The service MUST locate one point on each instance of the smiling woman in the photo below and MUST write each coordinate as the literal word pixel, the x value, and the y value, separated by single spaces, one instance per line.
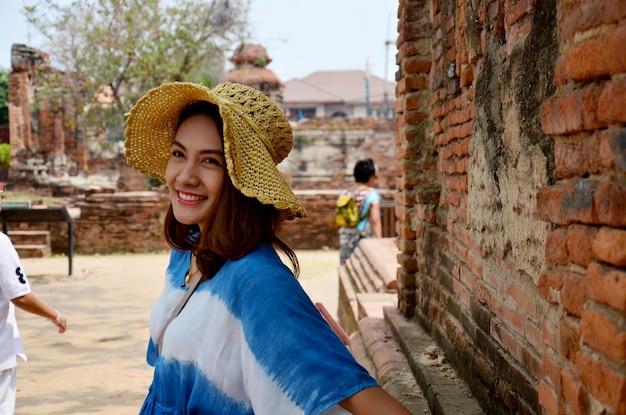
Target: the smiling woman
pixel 233 332
pixel 195 170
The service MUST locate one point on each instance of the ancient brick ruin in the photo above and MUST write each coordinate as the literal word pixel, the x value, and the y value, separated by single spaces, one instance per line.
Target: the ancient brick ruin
pixel 511 197
pixel 509 178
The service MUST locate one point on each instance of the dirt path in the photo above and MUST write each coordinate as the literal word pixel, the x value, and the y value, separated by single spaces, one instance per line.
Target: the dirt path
pixel 98 366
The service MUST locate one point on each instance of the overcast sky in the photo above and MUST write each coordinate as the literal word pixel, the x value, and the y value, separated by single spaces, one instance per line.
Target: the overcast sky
pixel 300 36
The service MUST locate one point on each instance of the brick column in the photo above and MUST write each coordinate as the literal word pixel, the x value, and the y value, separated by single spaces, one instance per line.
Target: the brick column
pixel 417 190
pixel 585 281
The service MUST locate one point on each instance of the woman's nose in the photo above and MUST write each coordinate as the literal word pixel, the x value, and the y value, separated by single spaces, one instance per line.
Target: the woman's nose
pixel 188 175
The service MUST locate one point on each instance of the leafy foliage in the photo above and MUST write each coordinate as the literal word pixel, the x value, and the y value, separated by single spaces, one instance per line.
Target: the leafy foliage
pixel 4 97
pixel 111 52
pixel 5 154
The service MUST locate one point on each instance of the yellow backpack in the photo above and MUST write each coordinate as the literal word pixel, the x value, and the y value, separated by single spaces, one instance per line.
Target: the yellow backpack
pixel 346 211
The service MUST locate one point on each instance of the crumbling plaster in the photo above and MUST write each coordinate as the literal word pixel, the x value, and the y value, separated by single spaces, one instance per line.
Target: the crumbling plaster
pixel 509 154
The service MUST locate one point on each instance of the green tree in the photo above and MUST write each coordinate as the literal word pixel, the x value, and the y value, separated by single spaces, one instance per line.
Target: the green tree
pixel 110 52
pixel 4 96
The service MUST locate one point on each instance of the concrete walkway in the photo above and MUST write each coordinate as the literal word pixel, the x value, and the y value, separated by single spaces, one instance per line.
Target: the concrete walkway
pixel 98 366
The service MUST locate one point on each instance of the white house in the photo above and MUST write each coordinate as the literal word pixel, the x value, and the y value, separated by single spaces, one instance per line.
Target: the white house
pixel 330 94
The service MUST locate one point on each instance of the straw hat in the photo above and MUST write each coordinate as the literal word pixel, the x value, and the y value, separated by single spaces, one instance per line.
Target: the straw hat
pixel 257 136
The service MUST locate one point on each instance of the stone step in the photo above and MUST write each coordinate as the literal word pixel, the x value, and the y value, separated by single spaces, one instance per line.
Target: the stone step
pixel 375 349
pixel 33 251
pixel 398 353
pixel 445 391
pixel 31 244
pixel 409 366
pixel 30 237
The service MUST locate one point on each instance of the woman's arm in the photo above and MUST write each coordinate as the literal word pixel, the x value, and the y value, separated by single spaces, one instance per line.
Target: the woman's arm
pixel 30 303
pixel 373 401
pixel 375 220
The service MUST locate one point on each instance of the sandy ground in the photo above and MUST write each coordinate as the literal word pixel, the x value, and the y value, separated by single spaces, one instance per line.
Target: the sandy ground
pixel 98 366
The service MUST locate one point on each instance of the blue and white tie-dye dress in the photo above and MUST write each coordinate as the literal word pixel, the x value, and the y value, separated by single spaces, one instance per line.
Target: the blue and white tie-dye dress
pixel 249 341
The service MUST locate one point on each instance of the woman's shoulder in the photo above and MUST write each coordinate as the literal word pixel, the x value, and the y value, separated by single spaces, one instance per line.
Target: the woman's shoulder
pixel 260 267
pixel 262 258
pixel 259 275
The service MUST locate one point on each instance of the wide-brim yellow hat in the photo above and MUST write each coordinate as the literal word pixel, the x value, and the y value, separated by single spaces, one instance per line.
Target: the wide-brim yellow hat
pixel 257 136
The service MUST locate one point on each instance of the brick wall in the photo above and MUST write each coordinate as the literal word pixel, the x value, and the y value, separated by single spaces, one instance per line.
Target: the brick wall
pixel 121 222
pixel 584 283
pixel 511 196
pixel 133 222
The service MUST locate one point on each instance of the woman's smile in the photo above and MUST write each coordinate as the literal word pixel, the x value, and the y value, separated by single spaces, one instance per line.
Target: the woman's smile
pixel 190 198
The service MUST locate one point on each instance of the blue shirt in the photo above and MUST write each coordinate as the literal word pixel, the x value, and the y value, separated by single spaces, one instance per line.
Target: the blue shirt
pixel 372 197
pixel 249 341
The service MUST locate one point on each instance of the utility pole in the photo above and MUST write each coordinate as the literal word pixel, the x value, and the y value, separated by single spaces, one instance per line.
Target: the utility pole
pixel 385 94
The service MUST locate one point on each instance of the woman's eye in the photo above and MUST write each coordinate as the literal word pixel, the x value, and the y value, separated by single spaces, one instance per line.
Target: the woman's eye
pixel 177 153
pixel 212 160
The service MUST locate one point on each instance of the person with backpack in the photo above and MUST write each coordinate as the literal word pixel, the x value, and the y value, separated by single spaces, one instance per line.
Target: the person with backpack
pixel 368 223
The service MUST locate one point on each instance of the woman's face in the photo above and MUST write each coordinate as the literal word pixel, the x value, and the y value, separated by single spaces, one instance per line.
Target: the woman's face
pixel 195 170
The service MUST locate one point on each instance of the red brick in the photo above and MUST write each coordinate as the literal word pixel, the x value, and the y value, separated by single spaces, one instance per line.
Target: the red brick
pixel 601 333
pixel 604 383
pixel 467 75
pixel 589 96
pixel 414 82
pixel 560 74
pixel 412 101
pixel 569 336
pixel 524 297
pixel 578 202
pixel 574 393
pixel 405 232
pixel 574 293
pixel 612 149
pixel 550 285
pixel 416 65
pixel 560 114
pixel 519 10
pixel 548 399
pixel 591 161
pixel 579 241
pixel 568 160
pixel 582 15
pixel 511 317
pixel 612 102
pixel 532 333
pixel 549 200
pixel 556 246
pixel 609 246
pixel 551 373
pixel 597 57
pixel 607 285
pixel 610 204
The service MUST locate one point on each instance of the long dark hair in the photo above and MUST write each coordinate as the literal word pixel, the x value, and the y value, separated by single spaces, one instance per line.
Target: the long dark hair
pixel 236 224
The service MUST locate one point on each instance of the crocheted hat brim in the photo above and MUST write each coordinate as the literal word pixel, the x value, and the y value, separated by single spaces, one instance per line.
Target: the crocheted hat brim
pixel 257 136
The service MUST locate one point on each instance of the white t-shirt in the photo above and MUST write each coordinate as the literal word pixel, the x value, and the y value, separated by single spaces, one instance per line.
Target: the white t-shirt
pixel 13 284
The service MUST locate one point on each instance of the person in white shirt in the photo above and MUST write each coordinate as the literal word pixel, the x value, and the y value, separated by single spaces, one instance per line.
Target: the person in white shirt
pixel 15 291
